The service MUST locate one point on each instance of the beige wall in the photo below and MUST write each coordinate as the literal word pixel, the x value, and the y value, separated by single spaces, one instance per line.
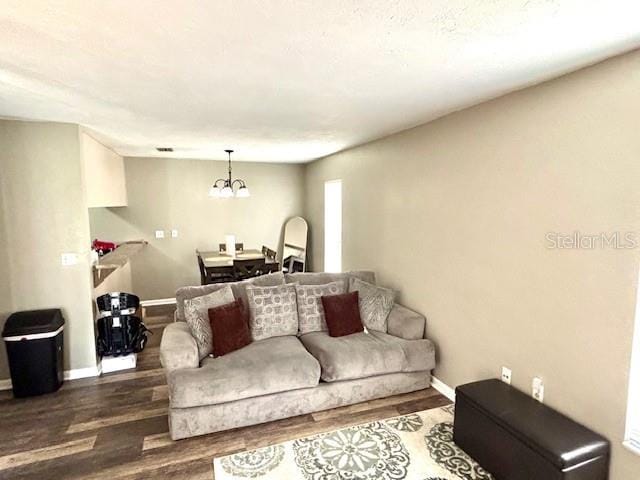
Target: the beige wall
pixel 104 174
pixel 44 214
pixel 6 304
pixel 454 214
pixel 172 193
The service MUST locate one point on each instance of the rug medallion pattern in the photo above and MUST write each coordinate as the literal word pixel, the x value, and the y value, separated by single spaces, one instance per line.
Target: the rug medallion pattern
pixel 417 446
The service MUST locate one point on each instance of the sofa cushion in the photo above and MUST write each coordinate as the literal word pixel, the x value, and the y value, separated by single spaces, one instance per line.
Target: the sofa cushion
pixel 310 309
pixel 273 365
pixel 375 303
pixel 273 311
pixel 321 278
pixel 363 355
pixel 238 289
pixel 196 316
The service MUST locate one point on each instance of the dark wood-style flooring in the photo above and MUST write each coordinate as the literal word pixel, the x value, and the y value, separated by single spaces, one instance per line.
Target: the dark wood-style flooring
pixel 115 426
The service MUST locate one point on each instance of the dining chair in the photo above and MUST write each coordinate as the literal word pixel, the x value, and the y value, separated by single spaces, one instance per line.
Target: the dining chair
pixel 222 247
pixel 293 264
pixel 268 253
pixel 249 268
pixel 203 270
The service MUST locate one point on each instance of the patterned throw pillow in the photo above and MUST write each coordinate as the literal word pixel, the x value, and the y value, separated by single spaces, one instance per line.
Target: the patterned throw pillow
pixel 310 310
pixel 375 304
pixel 196 314
pixel 273 311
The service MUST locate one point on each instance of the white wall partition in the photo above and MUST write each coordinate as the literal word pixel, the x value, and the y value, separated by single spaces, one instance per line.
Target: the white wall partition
pixel 333 226
pixel 632 435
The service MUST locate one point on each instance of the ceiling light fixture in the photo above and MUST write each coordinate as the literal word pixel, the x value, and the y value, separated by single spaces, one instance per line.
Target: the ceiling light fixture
pixel 224 187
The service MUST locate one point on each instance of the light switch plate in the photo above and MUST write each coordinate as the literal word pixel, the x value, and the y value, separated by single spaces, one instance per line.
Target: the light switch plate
pixel 159 233
pixel 174 233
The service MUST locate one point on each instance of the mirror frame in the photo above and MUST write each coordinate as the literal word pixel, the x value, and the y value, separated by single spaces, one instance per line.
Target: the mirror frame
pixel 302 249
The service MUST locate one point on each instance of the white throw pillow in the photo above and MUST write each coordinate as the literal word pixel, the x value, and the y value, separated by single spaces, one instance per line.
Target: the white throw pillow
pixel 310 311
pixel 196 314
pixel 273 311
pixel 375 304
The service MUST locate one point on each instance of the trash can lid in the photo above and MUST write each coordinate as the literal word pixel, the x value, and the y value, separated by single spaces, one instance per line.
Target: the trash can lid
pixel 33 321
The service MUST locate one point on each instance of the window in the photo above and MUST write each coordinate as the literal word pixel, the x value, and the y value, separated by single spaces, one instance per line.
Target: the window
pixel 632 436
pixel 333 226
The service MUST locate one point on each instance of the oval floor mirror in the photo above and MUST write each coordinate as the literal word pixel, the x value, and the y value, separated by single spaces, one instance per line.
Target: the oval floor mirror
pixel 294 248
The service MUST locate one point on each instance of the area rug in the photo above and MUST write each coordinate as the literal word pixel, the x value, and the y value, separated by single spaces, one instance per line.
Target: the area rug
pixel 418 446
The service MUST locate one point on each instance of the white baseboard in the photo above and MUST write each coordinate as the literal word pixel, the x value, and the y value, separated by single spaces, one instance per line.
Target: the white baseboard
pixel 159 301
pixel 443 388
pixel 82 373
pixel 68 375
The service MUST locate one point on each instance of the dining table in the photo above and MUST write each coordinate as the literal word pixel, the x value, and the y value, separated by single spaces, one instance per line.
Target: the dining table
pixel 221 262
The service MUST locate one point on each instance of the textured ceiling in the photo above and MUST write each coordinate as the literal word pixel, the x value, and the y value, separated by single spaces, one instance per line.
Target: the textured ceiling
pixel 285 80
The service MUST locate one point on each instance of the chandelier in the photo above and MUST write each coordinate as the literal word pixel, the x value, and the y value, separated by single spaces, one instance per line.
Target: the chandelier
pixel 226 187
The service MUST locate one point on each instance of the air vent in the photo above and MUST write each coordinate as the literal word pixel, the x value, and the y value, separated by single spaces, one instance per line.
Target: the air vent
pixel 164 149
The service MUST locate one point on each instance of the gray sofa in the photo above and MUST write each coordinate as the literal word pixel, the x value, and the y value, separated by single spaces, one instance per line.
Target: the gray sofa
pixel 282 377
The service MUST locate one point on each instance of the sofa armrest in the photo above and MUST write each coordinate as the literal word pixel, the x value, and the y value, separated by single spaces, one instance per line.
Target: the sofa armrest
pixel 405 323
pixel 178 348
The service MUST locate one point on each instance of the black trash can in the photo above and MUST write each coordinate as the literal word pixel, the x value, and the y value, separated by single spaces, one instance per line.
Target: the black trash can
pixel 34 341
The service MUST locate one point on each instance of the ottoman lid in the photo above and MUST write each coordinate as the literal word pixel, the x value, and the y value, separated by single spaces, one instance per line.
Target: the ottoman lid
pixel 556 437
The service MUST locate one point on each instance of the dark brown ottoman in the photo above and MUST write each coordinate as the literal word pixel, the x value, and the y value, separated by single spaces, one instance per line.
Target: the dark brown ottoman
pixel 515 437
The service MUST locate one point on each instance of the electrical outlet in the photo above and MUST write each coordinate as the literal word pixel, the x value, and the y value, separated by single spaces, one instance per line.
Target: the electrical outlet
pixel 174 233
pixel 537 389
pixel 506 375
pixel 159 233
pixel 69 259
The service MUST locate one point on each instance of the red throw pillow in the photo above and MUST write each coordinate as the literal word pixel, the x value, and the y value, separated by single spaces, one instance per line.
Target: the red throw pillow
pixel 342 314
pixel 230 327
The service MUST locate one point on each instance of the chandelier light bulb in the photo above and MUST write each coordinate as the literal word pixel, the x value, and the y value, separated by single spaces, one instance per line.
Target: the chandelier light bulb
pixel 226 192
pixel 243 192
